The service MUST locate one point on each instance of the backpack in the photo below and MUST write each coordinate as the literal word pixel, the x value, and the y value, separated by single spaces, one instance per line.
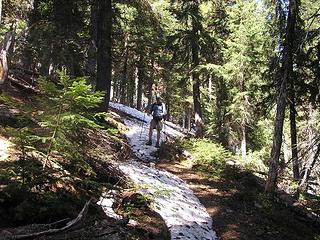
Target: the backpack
pixel 157 111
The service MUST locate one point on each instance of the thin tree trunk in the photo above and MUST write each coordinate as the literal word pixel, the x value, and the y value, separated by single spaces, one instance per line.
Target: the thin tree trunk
pixel 150 83
pixel 0 11
pixel 104 62
pixel 92 49
pixel 293 133
pixel 303 186
pixel 195 75
pixel 141 80
pixel 131 86
pixel 281 101
pixel 124 78
pixel 210 87
pixel 5 50
pixel 136 83
pixel 243 141
pixel 187 117
pixel 221 123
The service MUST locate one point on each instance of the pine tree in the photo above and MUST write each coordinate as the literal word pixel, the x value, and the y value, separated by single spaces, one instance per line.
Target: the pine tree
pixel 246 55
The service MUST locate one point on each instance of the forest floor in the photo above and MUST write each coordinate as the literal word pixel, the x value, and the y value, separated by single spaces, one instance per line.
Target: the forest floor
pixel 239 208
pixel 235 202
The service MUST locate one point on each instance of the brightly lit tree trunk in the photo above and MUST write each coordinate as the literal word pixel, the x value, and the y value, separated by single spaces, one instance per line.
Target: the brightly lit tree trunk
pixel 0 11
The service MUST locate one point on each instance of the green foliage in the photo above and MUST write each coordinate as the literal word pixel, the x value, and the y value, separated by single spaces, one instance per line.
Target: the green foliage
pixel 61 112
pixel 135 202
pixel 52 153
pixel 208 155
pixel 256 160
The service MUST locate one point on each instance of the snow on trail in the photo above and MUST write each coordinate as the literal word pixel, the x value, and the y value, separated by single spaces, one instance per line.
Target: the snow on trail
pixel 182 211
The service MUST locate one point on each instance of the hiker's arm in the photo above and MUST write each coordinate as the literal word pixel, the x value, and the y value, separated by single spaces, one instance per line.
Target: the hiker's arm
pixel 164 111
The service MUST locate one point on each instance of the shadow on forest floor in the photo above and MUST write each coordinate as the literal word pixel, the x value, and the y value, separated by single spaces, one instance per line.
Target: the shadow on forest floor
pixel 240 209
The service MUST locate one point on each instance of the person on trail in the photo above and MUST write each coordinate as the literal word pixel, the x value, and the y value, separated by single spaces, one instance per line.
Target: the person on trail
pixel 158 111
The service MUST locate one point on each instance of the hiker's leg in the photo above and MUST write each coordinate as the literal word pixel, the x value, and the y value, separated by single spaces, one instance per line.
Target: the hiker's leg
pixel 158 136
pixel 159 128
pixel 151 131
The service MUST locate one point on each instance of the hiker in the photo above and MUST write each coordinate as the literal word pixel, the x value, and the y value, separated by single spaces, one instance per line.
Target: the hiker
pixel 158 111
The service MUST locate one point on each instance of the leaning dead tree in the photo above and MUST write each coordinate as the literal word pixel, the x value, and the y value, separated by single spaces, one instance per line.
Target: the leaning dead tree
pixel 309 166
pixel 5 47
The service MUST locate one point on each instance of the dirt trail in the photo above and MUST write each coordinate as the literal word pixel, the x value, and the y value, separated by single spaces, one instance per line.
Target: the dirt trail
pixel 182 211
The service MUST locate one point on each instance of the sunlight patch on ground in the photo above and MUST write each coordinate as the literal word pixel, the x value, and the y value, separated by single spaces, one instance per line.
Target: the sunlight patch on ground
pixel 5 145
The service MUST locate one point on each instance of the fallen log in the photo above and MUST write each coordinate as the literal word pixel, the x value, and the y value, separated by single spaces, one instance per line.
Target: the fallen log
pixel 71 224
pixel 23 85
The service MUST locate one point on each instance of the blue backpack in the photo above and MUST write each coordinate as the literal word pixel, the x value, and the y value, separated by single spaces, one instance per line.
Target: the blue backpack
pixel 157 111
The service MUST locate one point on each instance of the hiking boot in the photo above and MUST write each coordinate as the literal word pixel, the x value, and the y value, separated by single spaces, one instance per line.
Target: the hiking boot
pixel 157 145
pixel 149 143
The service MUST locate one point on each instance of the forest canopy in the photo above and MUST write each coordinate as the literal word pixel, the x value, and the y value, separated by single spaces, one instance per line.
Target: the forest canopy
pixel 242 73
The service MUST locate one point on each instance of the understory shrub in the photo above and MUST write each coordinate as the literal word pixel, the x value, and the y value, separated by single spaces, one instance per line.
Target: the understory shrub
pixel 207 154
pixel 51 165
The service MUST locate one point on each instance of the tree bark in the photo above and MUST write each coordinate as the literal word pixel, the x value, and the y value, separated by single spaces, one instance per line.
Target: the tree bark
pixel 281 101
pixel 0 11
pixel 187 117
pixel 92 49
pixel 150 83
pixel 124 78
pixel 243 141
pixel 141 80
pixel 303 186
pixel 195 75
pixel 293 133
pixel 104 44
pixel 5 49
pixel 221 121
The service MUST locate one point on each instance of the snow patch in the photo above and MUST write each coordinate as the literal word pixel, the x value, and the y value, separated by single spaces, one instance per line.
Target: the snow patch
pixel 4 149
pixel 182 211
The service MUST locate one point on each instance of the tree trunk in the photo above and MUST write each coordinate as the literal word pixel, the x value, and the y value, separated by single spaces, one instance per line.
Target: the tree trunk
pixel 195 75
pixel 0 12
pixel 141 80
pixel 187 117
pixel 150 84
pixel 303 186
pixel 210 87
pixel 221 121
pixel 5 49
pixel 281 101
pixel 243 141
pixel 124 78
pixel 92 48
pixel 104 62
pixel 318 66
pixel 293 133
pixel 131 86
pixel 136 83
